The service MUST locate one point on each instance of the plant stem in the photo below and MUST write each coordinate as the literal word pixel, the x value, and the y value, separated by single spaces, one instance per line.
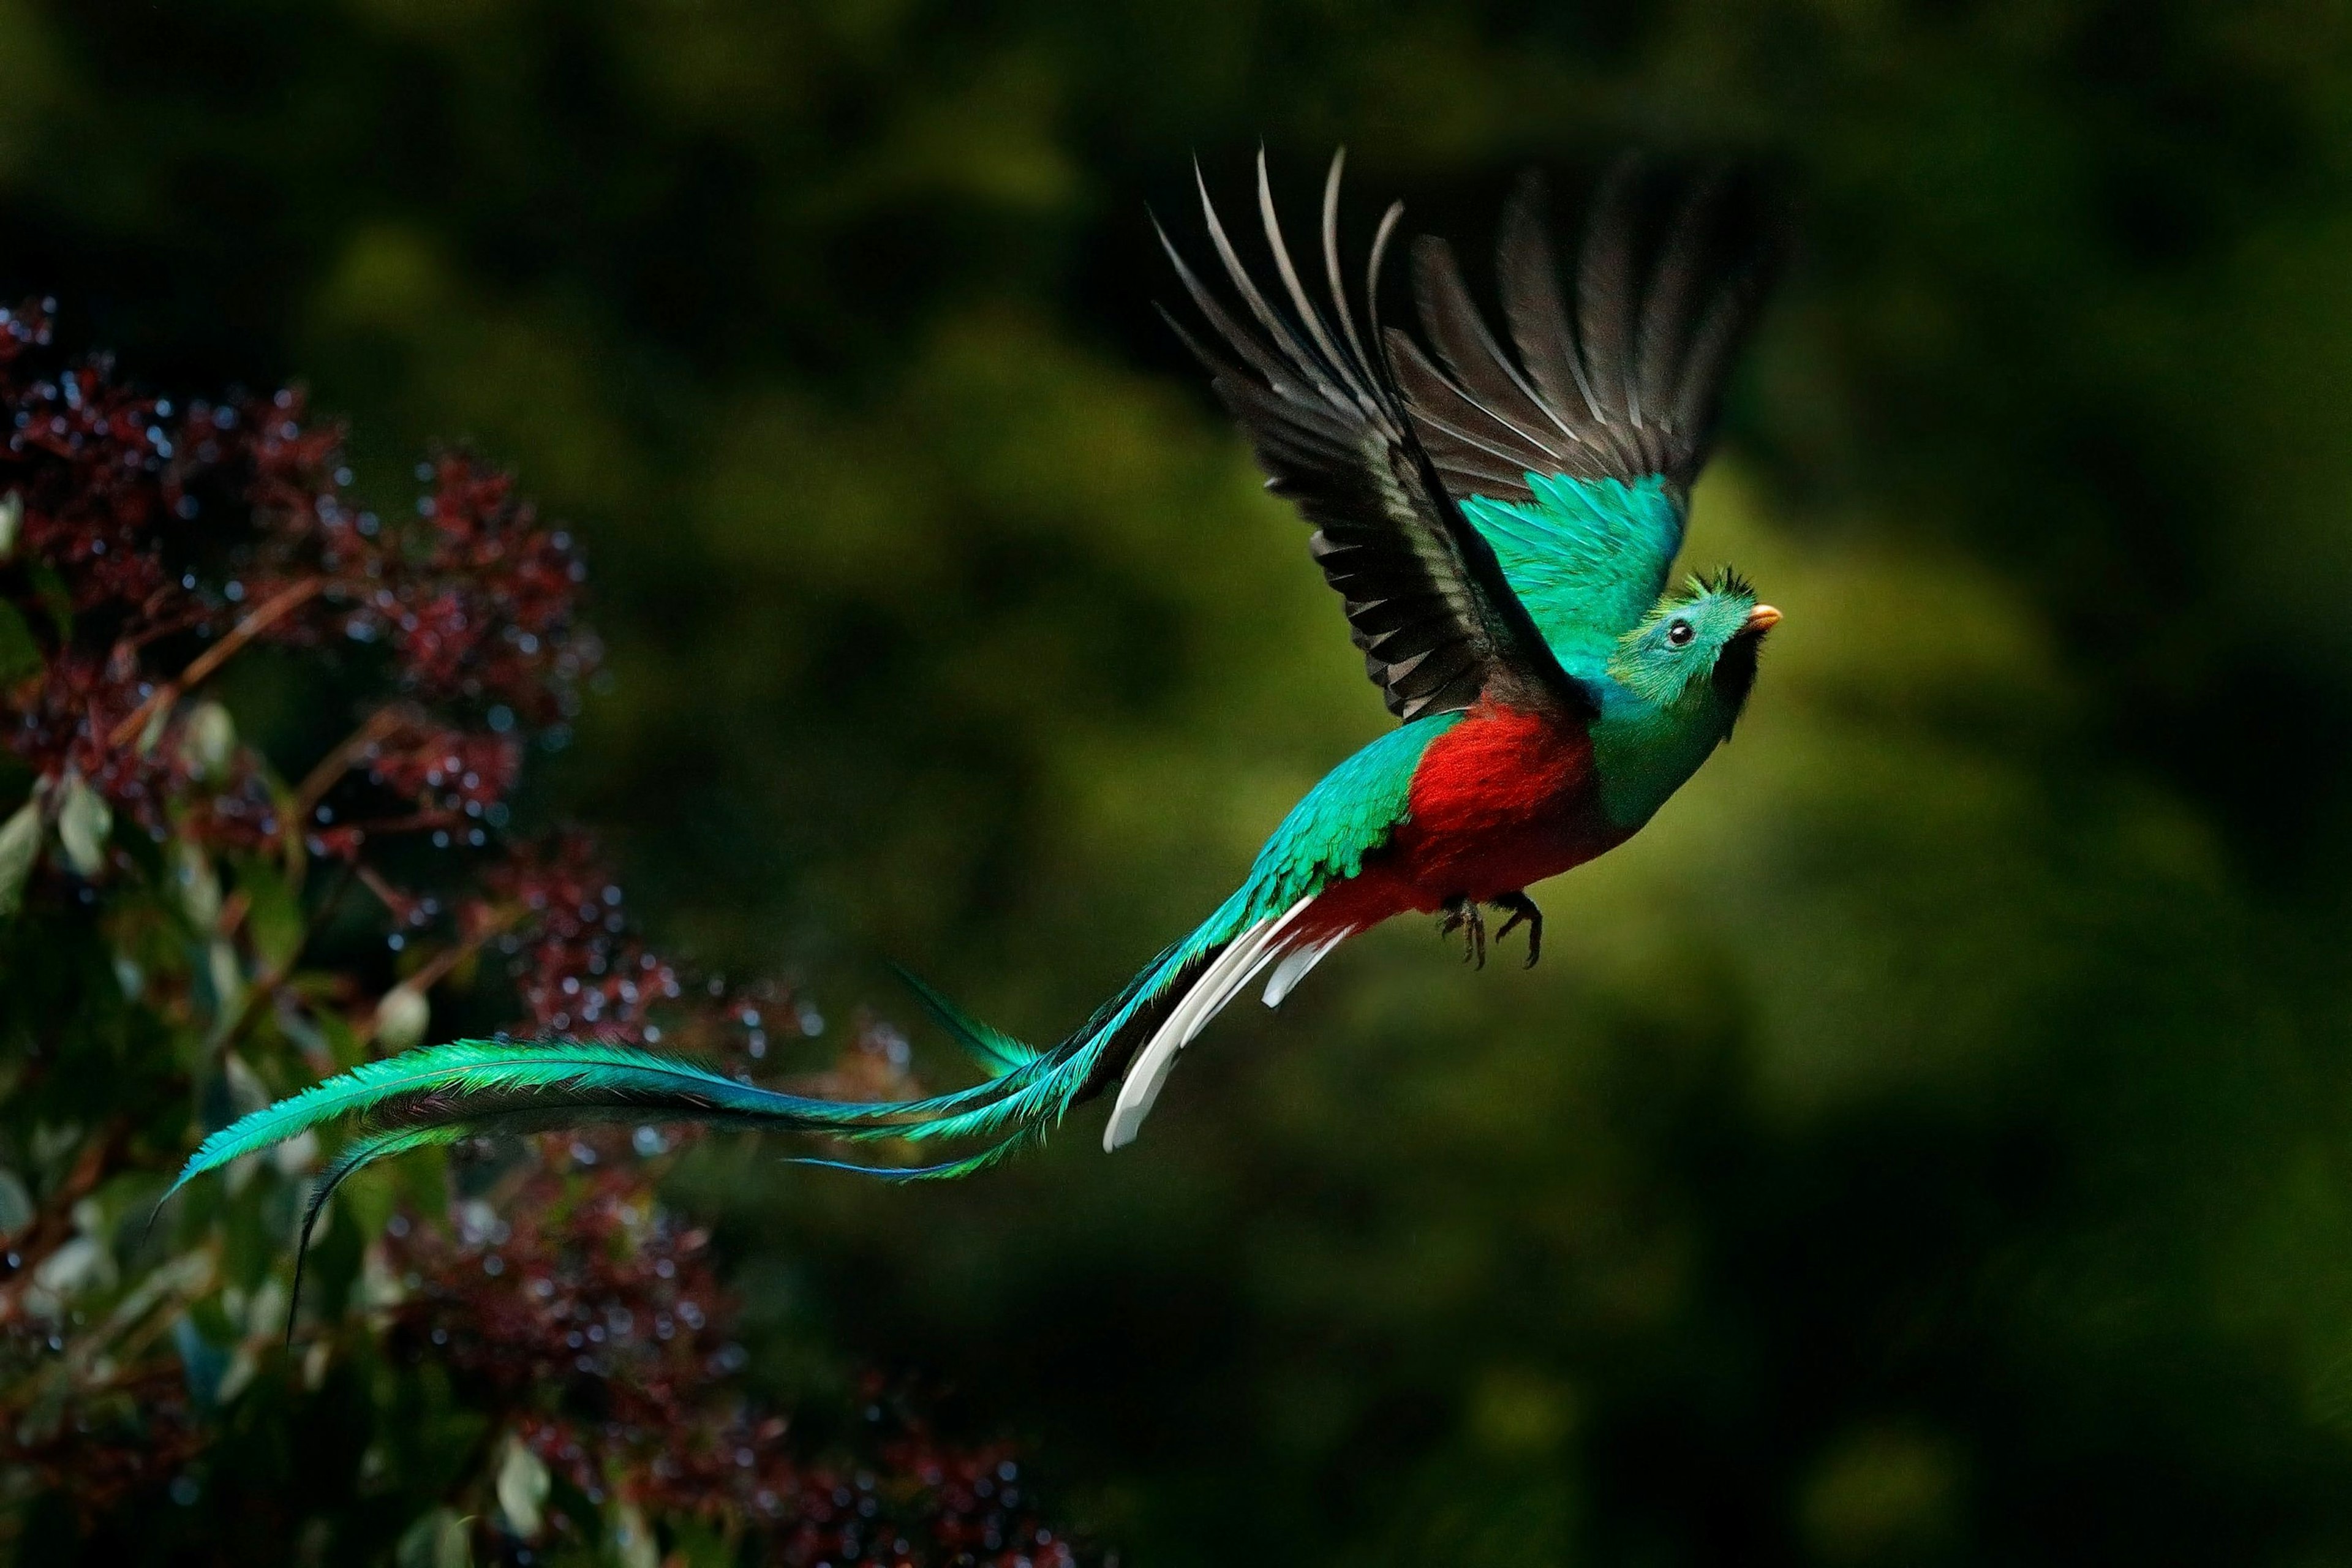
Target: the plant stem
pixel 200 668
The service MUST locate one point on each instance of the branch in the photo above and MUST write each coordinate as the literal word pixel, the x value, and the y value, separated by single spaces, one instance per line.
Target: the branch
pixel 337 763
pixel 263 618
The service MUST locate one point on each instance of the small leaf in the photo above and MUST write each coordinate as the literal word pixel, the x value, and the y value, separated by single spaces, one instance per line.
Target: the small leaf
pixel 244 1366
pixel 77 1266
pixel 401 1018
pixel 12 519
pixel 204 1362
pixel 633 1538
pixel 437 1540
pixel 198 884
pixel 522 1488
pixel 84 820
pixel 225 980
pixel 16 1209
pixel 273 914
pixel 296 1156
pixel 20 846
pixel 20 656
pixel 208 741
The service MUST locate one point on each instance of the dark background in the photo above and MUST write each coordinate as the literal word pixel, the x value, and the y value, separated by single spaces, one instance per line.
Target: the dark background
pixel 1927 1143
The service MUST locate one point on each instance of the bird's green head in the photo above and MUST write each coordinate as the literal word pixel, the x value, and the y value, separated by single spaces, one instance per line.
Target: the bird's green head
pixel 1698 647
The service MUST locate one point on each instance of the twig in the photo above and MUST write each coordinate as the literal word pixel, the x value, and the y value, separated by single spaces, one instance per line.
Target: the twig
pixel 265 615
pixel 390 897
pixel 433 973
pixel 337 763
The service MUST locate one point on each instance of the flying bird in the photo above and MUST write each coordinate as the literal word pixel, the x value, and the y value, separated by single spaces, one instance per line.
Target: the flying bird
pixel 1500 526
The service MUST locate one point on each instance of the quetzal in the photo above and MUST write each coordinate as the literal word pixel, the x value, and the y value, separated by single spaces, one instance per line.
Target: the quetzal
pixel 1501 529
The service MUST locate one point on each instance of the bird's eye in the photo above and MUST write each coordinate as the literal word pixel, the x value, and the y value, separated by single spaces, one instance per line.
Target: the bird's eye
pixel 1679 634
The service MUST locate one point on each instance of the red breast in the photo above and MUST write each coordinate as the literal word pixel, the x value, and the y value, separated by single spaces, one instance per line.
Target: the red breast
pixel 1504 799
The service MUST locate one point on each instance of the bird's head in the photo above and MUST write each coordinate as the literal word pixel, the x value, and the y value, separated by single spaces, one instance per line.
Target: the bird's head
pixel 1697 646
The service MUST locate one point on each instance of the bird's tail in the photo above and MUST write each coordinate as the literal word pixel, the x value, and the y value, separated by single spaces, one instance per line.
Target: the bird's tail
pixel 446 1093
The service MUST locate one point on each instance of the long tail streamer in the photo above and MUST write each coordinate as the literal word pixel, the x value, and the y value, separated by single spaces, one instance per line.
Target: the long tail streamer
pixel 445 1094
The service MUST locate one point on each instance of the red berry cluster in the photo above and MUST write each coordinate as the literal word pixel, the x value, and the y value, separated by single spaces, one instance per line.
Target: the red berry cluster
pixel 97 473
pixel 151 542
pixel 473 595
pixel 577 965
pixel 450 772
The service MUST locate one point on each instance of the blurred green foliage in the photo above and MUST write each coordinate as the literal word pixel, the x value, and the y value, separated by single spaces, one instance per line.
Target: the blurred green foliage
pixel 1927 1143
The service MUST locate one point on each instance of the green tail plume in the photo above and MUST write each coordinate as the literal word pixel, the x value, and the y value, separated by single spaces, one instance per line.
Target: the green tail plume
pixel 445 1094
pixel 997 1052
pixel 455 1090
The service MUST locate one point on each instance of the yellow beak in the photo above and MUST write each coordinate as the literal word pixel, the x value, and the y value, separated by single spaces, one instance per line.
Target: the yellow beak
pixel 1760 619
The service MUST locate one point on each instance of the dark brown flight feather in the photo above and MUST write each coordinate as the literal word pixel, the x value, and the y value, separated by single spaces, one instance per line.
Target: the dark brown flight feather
pixel 1624 382
pixel 1425 600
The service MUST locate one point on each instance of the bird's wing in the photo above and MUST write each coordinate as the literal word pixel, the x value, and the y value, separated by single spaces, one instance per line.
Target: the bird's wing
pixel 1575 458
pixel 1427 600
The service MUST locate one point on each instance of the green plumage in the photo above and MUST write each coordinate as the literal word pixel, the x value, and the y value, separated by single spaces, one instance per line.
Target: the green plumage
pixel 443 1085
pixel 1346 816
pixel 1587 557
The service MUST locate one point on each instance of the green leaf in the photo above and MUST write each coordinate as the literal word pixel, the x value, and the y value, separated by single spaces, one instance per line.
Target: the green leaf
pixel 522 1489
pixel 84 821
pixel 273 913
pixel 437 1540
pixel 632 1538
pixel 208 741
pixel 224 986
pixel 20 656
pixel 234 1091
pixel 16 1209
pixel 20 846
pixel 401 1018
pixel 203 1357
pixel 198 884
pixel 208 1318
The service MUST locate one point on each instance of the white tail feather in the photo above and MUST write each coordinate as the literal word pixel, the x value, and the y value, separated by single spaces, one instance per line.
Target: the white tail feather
pixel 1224 980
pixel 1295 967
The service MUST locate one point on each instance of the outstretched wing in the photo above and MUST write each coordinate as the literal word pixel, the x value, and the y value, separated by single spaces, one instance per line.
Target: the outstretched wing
pixel 1427 600
pixel 1575 459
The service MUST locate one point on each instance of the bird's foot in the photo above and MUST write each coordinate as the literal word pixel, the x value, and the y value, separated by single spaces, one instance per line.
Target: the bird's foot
pixel 1522 909
pixel 1460 914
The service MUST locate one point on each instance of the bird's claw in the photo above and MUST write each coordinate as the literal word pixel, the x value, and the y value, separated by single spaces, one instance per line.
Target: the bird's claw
pixel 1462 914
pixel 1522 909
